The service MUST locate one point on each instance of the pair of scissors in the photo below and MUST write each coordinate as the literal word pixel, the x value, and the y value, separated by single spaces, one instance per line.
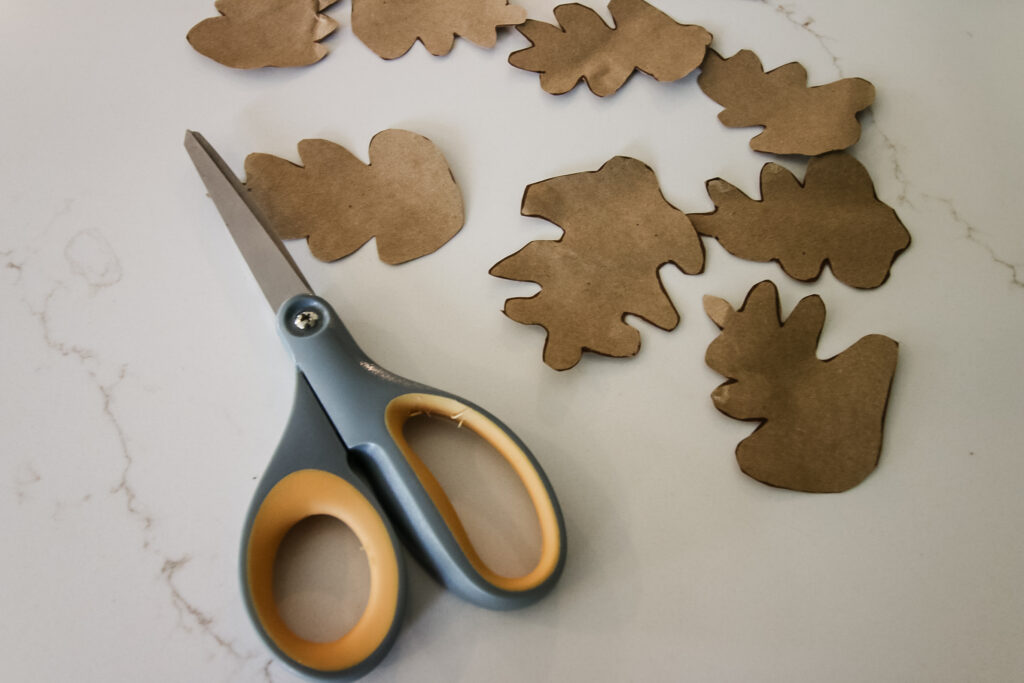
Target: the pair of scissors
pixel 348 406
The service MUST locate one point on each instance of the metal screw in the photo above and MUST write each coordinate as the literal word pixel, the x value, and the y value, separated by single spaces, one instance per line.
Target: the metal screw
pixel 306 320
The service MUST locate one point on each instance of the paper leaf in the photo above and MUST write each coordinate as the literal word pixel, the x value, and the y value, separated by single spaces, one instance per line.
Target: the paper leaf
pixel 834 217
pixel 618 231
pixel 391 27
pixel 254 33
pixel 822 420
pixel 406 197
pixel 644 38
pixel 797 119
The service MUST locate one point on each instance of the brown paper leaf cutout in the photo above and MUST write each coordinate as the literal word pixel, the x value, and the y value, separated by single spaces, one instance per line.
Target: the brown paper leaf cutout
pixel 834 217
pixel 797 119
pixel 644 39
pixel 618 231
pixel 251 34
pixel 821 420
pixel 406 197
pixel 391 27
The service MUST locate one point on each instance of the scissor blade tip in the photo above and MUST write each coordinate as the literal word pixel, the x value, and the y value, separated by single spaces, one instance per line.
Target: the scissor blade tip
pixel 194 138
pixel 267 258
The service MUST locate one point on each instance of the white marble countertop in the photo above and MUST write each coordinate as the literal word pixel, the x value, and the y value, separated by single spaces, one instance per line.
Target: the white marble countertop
pixel 144 387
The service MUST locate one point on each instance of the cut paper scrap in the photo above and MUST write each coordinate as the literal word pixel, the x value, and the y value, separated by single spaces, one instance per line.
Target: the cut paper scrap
pixel 391 27
pixel 834 217
pixel 796 119
pixel 251 34
pixel 644 38
pixel 406 197
pixel 822 420
pixel 618 230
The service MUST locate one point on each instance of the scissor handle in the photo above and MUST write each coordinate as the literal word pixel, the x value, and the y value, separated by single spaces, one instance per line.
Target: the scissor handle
pixel 369 406
pixel 310 475
pixel 482 585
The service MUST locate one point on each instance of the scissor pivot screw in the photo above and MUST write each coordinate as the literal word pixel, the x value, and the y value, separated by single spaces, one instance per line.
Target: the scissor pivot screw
pixel 306 320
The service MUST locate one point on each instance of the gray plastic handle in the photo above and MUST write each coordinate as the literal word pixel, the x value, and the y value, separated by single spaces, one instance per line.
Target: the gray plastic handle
pixel 346 408
pixel 310 442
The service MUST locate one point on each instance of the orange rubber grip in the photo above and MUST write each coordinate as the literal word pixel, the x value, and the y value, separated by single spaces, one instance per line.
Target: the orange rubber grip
pixel 299 495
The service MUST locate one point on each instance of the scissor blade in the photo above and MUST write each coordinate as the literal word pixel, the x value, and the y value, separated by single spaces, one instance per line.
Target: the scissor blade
pixel 270 263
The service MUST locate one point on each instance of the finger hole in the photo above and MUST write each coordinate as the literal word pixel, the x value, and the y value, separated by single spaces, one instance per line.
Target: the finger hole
pixel 489 498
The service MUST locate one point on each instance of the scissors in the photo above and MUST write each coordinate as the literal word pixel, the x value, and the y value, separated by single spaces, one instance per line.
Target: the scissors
pixel 348 406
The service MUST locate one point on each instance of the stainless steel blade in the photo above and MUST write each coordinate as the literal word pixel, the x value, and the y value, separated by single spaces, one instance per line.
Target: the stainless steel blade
pixel 270 263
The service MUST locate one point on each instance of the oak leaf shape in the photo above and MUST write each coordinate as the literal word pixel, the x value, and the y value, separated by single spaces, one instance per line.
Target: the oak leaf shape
pixel 251 34
pixel 797 119
pixel 391 27
pixel 822 420
pixel 834 217
pixel 618 231
pixel 406 197
pixel 644 39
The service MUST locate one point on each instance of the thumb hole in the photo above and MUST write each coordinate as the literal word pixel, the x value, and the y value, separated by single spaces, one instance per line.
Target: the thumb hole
pixel 321 579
